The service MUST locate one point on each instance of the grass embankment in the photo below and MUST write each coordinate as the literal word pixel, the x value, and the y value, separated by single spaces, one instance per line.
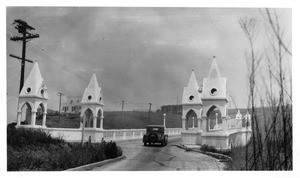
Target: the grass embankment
pixel 238 157
pixel 138 120
pixel 34 150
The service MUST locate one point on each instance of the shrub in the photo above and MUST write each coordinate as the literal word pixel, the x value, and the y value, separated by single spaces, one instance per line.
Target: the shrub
pixel 209 148
pixel 21 137
pixel 29 149
pixel 111 150
pixel 238 158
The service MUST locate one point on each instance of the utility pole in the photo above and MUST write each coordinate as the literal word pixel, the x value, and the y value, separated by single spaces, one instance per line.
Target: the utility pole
pixel 59 94
pixel 122 105
pixel 165 120
pixel 23 29
pixel 149 113
pixel 82 129
pixel 122 114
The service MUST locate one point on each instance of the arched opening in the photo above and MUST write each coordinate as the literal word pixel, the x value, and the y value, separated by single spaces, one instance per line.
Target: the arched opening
pixel 26 114
pixel 99 114
pixel 191 120
pixel 39 114
pixel 246 123
pixel 243 122
pixel 230 145
pixel 88 115
pixel 214 118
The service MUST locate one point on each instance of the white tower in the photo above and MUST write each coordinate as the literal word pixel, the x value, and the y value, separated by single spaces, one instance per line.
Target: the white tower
pixel 33 94
pixel 92 104
pixel 191 102
pixel 238 118
pixel 214 96
pixel 248 121
pixel 238 115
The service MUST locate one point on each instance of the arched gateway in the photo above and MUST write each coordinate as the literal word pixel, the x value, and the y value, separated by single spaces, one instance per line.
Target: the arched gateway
pixel 209 105
pixel 32 100
pixel 92 105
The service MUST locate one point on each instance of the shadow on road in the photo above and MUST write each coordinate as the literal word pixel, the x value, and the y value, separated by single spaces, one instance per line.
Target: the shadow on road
pixel 156 145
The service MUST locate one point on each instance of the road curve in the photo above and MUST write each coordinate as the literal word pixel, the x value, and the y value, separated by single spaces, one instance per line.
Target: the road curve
pixel 157 158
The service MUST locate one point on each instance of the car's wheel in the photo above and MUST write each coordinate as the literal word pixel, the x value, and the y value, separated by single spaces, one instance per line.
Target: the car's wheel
pixel 166 141
pixel 145 143
pixel 152 137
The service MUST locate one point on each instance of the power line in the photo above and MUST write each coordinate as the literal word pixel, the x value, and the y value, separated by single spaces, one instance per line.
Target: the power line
pixel 62 66
pixel 36 50
pixel 117 96
pixel 83 76
pixel 61 63
pixel 12 68
pixel 43 53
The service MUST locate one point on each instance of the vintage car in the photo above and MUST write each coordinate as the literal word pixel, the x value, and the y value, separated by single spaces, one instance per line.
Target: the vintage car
pixel 155 134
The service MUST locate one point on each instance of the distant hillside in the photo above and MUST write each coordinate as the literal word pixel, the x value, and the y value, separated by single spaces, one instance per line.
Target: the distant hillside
pixel 117 120
pixel 138 119
pixel 173 109
pixel 177 109
pixel 131 119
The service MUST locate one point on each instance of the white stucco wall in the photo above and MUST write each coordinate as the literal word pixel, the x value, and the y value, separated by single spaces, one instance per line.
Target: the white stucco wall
pixel 75 135
pixel 191 137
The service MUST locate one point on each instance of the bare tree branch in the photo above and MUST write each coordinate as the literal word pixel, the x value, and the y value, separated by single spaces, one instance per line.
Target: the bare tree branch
pixel 276 32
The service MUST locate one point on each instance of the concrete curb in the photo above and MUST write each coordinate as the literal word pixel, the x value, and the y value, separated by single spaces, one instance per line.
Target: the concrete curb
pixel 97 164
pixel 215 155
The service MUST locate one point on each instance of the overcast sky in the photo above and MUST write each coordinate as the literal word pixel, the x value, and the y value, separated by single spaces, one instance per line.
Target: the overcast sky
pixel 140 55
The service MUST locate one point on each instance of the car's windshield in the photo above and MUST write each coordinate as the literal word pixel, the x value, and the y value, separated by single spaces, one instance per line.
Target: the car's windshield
pixel 155 129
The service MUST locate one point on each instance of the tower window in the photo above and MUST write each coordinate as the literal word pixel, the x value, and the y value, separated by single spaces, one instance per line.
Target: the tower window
pixel 191 98
pixel 200 90
pixel 28 90
pixel 89 97
pixel 213 91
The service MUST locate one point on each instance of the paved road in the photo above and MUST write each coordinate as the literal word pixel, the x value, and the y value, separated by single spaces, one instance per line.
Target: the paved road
pixel 157 158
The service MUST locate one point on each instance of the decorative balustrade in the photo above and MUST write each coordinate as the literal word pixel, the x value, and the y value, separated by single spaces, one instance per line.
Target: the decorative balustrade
pixel 98 134
pixel 127 134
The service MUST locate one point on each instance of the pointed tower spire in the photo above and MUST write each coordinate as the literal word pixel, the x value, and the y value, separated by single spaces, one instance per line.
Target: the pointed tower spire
pixel 247 116
pixel 238 115
pixel 92 94
pixel 214 86
pixel 214 70
pixel 192 81
pixel 93 82
pixel 191 93
pixel 34 93
pixel 34 85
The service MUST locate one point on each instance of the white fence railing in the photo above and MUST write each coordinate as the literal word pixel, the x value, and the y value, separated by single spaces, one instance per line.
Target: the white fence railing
pixel 96 135
pixel 127 134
